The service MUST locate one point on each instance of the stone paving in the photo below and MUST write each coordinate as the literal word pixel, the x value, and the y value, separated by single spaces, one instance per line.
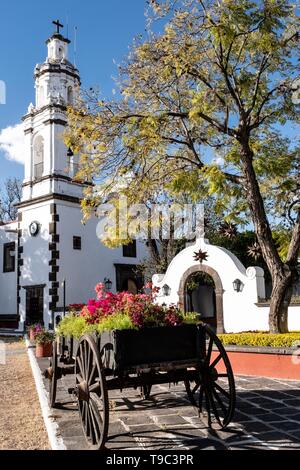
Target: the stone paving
pixel 267 417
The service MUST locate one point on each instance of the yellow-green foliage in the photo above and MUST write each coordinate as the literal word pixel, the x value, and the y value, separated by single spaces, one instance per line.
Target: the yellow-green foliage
pixel 190 318
pixel 118 321
pixel 261 338
pixel 74 325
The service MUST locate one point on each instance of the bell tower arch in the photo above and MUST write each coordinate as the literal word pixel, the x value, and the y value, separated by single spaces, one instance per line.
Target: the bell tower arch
pixel 48 166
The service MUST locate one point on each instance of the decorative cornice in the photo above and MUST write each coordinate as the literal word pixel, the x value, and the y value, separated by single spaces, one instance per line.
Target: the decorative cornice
pixel 56 68
pixel 45 108
pixel 58 36
pixel 56 177
pixel 60 122
pixel 48 197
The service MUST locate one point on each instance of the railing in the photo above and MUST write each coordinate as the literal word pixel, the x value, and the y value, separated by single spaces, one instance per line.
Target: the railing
pixel 38 170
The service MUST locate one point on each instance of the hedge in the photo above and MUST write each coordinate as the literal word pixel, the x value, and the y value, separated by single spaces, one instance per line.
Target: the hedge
pixel 261 338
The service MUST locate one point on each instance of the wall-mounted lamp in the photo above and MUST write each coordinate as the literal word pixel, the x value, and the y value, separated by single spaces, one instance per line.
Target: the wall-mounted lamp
pixel 107 284
pixel 238 286
pixel 166 290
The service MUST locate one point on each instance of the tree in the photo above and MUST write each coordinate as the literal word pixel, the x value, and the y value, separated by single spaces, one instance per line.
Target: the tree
pixel 202 109
pixel 9 196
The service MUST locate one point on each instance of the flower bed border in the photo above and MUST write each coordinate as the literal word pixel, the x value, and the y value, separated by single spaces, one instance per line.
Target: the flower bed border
pixel 263 361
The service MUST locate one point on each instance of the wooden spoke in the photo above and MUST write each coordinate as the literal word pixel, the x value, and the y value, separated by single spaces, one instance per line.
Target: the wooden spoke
pixel 201 398
pixel 96 429
pixel 92 373
pixel 79 378
pixel 221 404
pixel 213 393
pixel 196 388
pixel 80 366
pixel 213 405
pixel 94 387
pixel 92 393
pixel 216 361
pixel 227 395
pixel 209 351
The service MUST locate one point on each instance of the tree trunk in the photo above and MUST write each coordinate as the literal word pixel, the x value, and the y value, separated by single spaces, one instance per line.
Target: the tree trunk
pixel 280 300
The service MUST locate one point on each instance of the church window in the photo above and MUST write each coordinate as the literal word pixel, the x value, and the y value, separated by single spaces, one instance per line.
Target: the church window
pixel 70 95
pixel 129 251
pixel 38 157
pixel 9 258
pixel 76 243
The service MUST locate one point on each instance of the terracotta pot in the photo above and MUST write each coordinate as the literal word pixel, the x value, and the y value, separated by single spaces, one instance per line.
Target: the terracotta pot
pixel 43 350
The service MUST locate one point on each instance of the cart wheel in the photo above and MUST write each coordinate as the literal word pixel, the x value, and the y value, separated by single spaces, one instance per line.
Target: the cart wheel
pixel 146 391
pixel 213 392
pixel 53 376
pixel 92 393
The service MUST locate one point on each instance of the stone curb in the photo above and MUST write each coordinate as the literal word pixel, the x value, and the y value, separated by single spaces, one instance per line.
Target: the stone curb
pixel 56 441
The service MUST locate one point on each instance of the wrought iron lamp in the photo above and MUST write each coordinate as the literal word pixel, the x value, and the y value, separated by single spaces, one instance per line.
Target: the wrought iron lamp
pixel 166 290
pixel 107 284
pixel 238 286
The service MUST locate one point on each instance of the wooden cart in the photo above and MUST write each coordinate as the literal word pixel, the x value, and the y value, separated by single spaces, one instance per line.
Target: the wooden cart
pixel 140 359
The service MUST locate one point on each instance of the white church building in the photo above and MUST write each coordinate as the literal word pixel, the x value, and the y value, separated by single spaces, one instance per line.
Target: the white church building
pixel 48 247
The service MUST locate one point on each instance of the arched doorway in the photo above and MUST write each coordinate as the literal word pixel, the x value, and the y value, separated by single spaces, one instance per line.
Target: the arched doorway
pixel 200 297
pixel 201 287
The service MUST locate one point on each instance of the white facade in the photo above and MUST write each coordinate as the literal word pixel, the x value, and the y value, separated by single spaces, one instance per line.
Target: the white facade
pixel 8 281
pixel 49 215
pixel 237 311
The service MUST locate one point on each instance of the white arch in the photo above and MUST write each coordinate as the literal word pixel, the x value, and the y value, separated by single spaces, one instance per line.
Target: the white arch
pixel 229 268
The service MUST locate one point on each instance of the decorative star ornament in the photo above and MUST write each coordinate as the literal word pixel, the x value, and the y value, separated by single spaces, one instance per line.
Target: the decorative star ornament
pixel 254 251
pixel 200 256
pixel 228 230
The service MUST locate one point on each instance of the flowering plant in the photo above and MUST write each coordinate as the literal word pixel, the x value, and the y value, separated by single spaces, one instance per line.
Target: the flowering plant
pixel 44 337
pixel 35 329
pixel 139 308
pixel 123 310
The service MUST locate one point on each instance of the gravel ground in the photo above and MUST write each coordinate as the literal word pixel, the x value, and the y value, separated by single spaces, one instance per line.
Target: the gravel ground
pixel 21 423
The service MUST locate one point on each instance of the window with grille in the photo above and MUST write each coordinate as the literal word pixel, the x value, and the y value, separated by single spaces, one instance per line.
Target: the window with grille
pixel 9 257
pixel 76 243
pixel 129 251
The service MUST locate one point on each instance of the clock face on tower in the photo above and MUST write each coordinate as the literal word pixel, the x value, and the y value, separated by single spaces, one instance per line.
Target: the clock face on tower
pixel 34 229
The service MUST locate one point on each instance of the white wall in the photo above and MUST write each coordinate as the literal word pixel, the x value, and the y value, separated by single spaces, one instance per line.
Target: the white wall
pixel 8 281
pixel 36 255
pixel 84 268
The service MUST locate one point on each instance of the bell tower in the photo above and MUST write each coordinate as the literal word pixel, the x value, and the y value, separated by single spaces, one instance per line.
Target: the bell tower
pixel 49 165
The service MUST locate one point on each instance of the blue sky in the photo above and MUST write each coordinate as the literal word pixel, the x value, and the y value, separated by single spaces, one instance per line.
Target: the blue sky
pixel 105 30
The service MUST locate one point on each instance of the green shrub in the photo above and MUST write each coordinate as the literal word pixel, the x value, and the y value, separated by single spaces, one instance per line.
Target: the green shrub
pixel 260 338
pixel 73 325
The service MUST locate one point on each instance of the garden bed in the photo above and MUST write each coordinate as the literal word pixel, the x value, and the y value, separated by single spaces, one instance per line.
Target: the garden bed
pixel 261 357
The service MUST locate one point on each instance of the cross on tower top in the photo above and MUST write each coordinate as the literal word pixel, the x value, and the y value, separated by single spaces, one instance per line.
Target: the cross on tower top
pixel 58 25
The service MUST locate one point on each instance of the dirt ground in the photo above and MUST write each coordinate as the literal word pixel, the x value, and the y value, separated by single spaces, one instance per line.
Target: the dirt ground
pixel 21 422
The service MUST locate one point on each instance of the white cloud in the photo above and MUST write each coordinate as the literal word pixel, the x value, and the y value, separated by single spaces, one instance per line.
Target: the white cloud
pixel 12 143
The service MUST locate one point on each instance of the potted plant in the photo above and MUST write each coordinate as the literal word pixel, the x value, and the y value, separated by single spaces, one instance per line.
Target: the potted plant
pixel 33 330
pixel 43 341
